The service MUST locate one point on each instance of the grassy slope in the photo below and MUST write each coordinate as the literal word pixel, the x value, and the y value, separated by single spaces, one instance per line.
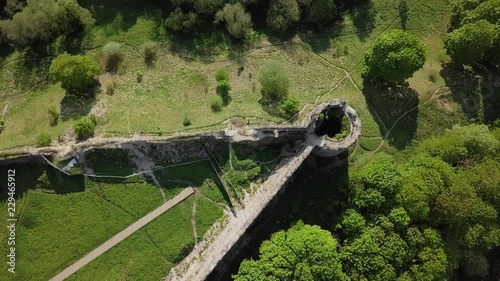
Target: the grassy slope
pixel 55 230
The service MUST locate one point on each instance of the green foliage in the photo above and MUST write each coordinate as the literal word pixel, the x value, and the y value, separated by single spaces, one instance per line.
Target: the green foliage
pixel 274 80
pixel 149 51
pixel 469 43
pixel 178 21
pixel 399 218
pixel 84 128
pixel 319 12
pixel 113 56
pixel 43 139
pixel 394 57
pixel 290 106
pixel 53 115
pixel 238 21
pixel 45 20
pixel 303 252
pixel 187 121
pixel 216 103
pixel 473 142
pixel 221 75
pixel 382 174
pixel 282 14
pixel 353 223
pixel 139 75
pixel 488 10
pixel 223 88
pixel 76 73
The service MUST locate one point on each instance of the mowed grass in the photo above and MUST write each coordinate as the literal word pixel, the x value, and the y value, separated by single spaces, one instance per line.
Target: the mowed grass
pixel 55 230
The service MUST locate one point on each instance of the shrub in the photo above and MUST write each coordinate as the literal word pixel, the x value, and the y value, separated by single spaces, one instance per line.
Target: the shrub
pixel 76 73
pixel 274 80
pixel 221 74
pixel 2 126
pixel 84 127
pixel 53 115
pixel 223 89
pixel 238 21
pixel 281 14
pixel 149 52
pixel 394 57
pixel 109 87
pixel 139 75
pixel 290 106
pixel 113 56
pixel 216 103
pixel 43 139
pixel 187 121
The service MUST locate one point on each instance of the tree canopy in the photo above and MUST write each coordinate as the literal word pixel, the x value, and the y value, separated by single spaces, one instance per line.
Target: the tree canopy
pixel 75 73
pixel 303 253
pixel 394 57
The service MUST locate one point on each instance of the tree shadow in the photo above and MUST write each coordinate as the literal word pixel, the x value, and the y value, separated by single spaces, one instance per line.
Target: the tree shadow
pixel 403 13
pixel 476 90
pixel 74 106
pixel 321 39
pixel 388 104
pixel 363 18
pixel 34 69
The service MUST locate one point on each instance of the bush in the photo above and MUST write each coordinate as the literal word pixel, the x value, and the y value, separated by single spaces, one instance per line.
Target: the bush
pixel 394 57
pixel 187 121
pixel 216 103
pixel 44 21
pixel 53 115
pixel 274 80
pixel 2 126
pixel 223 89
pixel 149 52
pixel 178 21
pixel 139 75
pixel 43 139
pixel 282 14
pixel 113 56
pixel 221 74
pixel 238 21
pixel 290 106
pixel 109 87
pixel 84 127
pixel 76 73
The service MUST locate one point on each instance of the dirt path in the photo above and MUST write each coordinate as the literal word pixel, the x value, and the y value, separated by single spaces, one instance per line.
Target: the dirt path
pixel 122 235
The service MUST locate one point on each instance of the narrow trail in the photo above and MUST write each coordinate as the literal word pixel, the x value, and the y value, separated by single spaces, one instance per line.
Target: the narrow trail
pixel 193 217
pixel 122 235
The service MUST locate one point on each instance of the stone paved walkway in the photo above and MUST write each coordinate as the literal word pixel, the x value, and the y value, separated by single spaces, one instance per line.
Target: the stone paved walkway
pixel 122 235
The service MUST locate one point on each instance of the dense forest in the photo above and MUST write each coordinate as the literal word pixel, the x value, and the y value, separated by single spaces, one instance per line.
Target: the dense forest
pixel 433 216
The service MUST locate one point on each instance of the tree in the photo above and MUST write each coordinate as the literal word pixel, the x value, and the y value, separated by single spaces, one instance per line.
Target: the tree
pixel 238 21
pixel 353 223
pixel 44 21
pixel 319 12
pixel 488 10
pixel 76 73
pixel 303 252
pixel 281 14
pixel 462 143
pixel 469 43
pixel 178 21
pixel 274 80
pixel 394 57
